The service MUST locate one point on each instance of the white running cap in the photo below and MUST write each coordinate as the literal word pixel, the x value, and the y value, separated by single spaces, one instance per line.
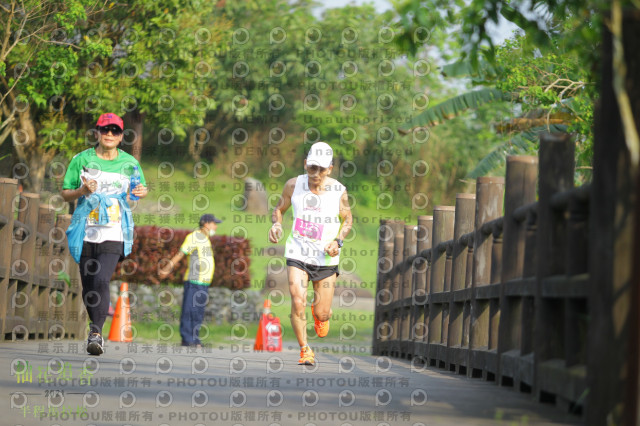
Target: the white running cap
pixel 320 154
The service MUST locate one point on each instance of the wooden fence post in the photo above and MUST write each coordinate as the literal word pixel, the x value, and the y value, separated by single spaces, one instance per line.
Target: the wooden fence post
pixel 398 252
pixel 556 174
pixel 489 201
pixel 577 255
pixel 61 296
pixel 8 286
pixel 23 266
pixel 421 273
pixel 387 271
pixel 398 257
pixel 614 302
pixel 529 272
pixel 443 217
pixel 464 224
pixel 520 190
pixel 409 251
pixel 43 281
pixel 384 265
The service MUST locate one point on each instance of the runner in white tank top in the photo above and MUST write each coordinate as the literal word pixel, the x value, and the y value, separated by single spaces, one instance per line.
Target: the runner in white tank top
pixel 321 221
pixel 316 222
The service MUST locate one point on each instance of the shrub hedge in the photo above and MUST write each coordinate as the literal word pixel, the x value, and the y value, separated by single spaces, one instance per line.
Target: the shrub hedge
pixel 152 244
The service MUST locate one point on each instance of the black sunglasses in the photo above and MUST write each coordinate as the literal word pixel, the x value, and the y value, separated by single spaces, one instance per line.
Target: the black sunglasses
pixel 115 130
pixel 316 169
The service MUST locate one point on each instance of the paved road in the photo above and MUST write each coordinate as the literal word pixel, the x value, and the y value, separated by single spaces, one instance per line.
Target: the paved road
pixel 232 385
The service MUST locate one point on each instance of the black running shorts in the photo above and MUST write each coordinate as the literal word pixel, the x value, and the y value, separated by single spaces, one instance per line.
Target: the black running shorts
pixel 315 272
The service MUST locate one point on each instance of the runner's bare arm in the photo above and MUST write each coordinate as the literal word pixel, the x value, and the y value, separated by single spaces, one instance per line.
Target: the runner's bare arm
pixel 88 186
pixel 333 249
pixel 141 191
pixel 275 232
pixel 345 216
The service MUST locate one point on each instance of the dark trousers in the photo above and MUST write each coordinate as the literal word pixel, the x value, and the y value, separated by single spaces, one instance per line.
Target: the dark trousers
pixel 97 265
pixel 194 300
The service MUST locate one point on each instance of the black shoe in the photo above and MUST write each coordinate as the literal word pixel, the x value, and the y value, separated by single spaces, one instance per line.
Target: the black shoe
pixel 94 344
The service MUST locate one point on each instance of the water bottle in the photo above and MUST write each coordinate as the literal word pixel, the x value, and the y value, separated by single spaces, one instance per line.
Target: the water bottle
pixel 135 181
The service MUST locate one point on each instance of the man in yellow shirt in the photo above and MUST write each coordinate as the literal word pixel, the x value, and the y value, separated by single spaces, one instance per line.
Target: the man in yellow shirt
pixel 196 245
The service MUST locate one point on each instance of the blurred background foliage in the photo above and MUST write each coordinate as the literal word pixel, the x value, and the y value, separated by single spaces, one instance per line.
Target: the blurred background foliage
pixel 417 101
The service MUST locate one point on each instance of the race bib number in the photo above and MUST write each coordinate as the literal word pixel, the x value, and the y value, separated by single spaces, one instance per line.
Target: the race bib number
pixel 306 229
pixel 113 212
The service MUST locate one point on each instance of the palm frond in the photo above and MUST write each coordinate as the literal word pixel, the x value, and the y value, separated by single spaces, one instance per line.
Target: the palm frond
pixel 520 143
pixel 453 107
pixel 481 74
pixel 498 155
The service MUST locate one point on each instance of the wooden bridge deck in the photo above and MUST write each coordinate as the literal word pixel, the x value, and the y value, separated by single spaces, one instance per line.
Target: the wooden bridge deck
pixel 232 385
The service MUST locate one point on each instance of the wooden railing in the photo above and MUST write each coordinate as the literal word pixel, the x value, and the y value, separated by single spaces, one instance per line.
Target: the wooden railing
pixel 539 289
pixel 40 290
pixel 497 285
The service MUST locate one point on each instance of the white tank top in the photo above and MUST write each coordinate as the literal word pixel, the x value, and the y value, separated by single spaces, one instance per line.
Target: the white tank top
pixel 316 222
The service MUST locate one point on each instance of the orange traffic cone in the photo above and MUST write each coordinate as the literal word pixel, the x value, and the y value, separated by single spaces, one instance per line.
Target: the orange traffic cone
pixel 269 336
pixel 121 325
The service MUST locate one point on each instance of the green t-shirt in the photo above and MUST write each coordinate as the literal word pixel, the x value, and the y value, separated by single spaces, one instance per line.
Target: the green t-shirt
pixel 113 177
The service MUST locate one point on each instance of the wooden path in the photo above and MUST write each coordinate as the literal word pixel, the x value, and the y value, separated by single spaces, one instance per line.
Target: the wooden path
pixel 47 383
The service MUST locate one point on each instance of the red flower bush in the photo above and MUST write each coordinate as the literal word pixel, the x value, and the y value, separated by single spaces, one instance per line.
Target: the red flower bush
pixel 153 246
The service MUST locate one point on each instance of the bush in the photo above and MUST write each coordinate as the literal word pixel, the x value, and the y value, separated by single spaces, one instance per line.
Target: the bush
pixel 152 244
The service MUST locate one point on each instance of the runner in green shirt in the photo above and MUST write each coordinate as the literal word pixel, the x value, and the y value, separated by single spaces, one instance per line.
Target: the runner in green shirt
pixel 98 176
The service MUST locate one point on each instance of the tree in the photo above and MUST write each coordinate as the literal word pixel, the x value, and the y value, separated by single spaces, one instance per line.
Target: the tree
pixel 337 78
pixel 164 54
pixel 42 44
pixel 612 395
pixel 358 99
pixel 548 86
pixel 136 60
pixel 256 84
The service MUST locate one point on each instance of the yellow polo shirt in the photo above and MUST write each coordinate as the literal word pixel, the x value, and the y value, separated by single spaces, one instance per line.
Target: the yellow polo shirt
pixel 201 265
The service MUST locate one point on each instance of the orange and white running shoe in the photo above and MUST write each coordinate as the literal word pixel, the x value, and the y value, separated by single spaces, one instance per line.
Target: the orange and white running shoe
pixel 307 357
pixel 321 327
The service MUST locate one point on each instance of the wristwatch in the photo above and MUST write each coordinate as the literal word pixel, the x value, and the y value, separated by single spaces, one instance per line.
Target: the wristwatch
pixel 340 242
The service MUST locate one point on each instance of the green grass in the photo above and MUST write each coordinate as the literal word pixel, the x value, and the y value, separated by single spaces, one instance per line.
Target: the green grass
pixel 348 327
pixel 216 193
